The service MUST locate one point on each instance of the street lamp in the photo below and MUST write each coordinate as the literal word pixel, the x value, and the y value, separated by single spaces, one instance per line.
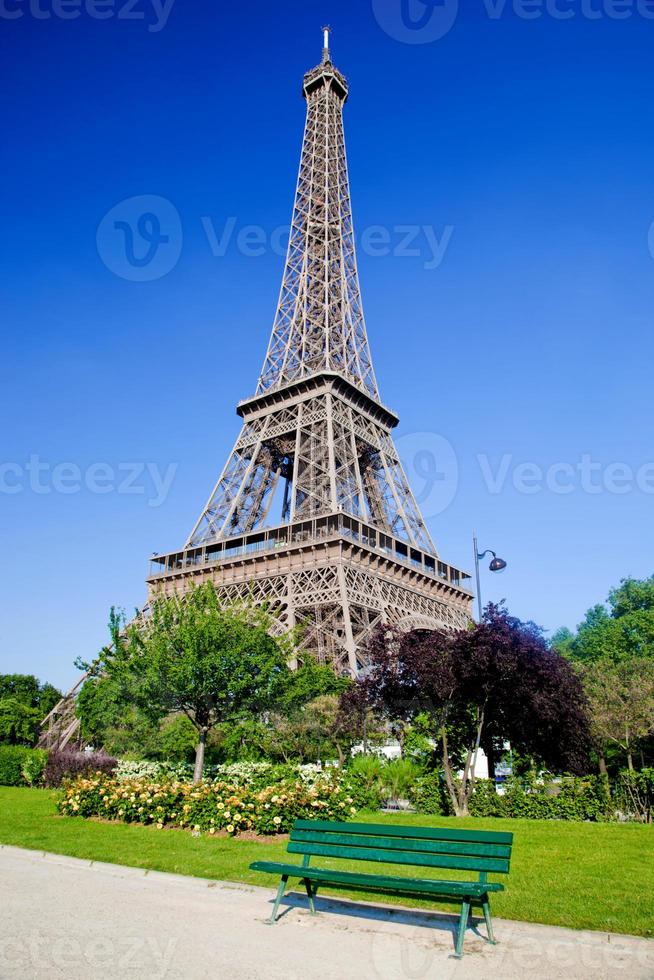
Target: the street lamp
pixel 496 565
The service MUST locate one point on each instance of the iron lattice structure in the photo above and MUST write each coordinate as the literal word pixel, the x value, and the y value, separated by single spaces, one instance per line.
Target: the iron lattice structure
pixel 313 513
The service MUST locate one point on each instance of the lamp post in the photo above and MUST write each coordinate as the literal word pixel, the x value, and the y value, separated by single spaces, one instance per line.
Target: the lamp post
pixel 496 565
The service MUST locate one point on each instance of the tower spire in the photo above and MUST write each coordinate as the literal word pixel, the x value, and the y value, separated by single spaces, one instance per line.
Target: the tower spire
pixel 325 44
pixel 319 324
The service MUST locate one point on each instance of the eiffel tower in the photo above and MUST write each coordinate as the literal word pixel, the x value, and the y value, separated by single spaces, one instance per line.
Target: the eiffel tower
pixel 313 513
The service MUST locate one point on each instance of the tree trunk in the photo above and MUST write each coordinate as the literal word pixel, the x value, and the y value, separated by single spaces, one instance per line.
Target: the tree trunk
pixel 489 750
pixel 602 765
pixel 459 806
pixel 199 756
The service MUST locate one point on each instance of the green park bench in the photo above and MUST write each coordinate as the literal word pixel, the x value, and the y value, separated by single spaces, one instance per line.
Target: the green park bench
pixel 478 851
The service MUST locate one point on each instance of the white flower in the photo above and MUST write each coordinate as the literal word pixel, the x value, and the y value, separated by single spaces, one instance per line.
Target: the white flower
pixel 277 819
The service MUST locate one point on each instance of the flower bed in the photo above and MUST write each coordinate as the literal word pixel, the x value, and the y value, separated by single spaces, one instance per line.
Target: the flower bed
pixel 211 807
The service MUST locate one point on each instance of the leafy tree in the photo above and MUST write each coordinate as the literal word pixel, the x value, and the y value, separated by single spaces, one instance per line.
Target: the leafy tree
pixel 24 703
pixel 240 740
pixel 19 723
pixel 28 690
pixel 622 628
pixel 195 656
pixel 621 696
pixel 312 732
pixel 177 738
pixel 498 678
pixel 311 680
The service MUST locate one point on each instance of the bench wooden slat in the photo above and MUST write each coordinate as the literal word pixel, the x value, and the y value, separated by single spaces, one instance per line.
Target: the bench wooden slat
pixel 384 856
pixel 418 845
pixel 399 830
pixel 432 886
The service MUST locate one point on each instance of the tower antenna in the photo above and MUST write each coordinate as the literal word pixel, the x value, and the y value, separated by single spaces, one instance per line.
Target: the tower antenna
pixel 325 43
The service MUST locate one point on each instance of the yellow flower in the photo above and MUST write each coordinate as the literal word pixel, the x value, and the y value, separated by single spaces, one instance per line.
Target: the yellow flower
pixel 277 819
pixel 230 828
pixel 197 826
pixel 159 826
pixel 212 830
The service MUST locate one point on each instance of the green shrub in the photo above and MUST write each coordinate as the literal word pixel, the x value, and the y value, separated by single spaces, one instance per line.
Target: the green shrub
pixel 34 766
pixel 568 798
pixel 398 777
pixel 428 793
pixel 366 771
pixel 634 794
pixel 486 801
pixel 21 766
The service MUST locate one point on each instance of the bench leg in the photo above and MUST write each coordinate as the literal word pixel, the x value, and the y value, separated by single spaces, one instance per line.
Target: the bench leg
pixel 278 898
pixel 489 924
pixel 463 922
pixel 311 894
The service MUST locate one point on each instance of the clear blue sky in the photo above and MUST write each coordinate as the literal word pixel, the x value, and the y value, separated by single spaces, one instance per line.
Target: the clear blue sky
pixel 530 342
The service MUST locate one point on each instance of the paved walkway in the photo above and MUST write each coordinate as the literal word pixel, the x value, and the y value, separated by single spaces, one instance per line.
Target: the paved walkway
pixel 62 917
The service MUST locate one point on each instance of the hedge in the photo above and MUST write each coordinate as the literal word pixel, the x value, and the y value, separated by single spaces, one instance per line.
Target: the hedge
pixel 70 763
pixel 21 766
pixel 569 798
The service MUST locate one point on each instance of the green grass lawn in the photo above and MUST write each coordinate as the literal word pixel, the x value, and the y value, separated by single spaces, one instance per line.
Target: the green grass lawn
pixel 581 875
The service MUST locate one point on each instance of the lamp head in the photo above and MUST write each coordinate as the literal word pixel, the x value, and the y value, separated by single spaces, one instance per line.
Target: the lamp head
pixel 497 564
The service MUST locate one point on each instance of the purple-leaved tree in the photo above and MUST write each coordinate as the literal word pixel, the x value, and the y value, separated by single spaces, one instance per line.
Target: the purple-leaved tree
pixel 499 679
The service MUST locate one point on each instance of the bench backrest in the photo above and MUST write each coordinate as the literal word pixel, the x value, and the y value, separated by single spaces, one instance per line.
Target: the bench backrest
pixel 433 847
